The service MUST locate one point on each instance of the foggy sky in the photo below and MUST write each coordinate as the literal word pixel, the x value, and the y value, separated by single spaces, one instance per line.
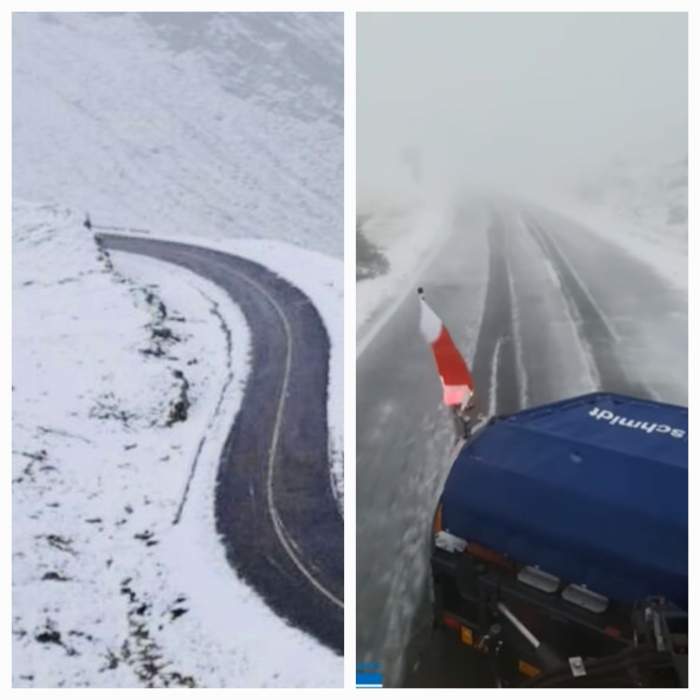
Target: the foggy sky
pixel 509 97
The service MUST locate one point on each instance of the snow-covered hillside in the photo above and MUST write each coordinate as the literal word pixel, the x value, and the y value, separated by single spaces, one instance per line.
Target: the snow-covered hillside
pixel 651 196
pixel 229 123
pixel 223 130
pixel 119 580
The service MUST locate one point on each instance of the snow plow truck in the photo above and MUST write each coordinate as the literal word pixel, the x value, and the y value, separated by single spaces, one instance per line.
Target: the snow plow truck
pixel 560 544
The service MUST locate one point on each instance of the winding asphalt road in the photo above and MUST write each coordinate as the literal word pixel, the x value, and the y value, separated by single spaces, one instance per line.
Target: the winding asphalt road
pixel 561 311
pixel 274 505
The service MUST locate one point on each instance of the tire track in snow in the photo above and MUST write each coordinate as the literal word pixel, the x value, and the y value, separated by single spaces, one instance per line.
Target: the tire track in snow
pixel 497 372
pixel 595 332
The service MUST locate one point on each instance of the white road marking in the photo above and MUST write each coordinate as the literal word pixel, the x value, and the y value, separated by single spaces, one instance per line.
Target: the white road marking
pixel 517 336
pixel 493 387
pixel 285 540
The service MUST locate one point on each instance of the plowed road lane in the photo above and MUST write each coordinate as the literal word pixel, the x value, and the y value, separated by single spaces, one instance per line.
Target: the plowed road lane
pixel 564 312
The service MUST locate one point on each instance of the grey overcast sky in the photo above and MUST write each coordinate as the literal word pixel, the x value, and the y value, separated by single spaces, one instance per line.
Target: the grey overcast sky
pixel 515 96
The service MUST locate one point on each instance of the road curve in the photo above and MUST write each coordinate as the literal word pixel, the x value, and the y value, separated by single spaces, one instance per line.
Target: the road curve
pixel 274 505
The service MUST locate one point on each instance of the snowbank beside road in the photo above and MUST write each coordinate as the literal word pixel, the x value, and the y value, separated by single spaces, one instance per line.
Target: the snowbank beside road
pixel 117 375
pixel 412 238
pixel 408 236
pixel 638 204
pixel 667 254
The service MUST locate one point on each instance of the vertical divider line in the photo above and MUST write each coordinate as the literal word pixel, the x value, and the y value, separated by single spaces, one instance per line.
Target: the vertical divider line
pixel 349 328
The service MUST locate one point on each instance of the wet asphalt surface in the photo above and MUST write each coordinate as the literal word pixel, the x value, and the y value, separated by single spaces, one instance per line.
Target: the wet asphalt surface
pixel 564 312
pixel 275 509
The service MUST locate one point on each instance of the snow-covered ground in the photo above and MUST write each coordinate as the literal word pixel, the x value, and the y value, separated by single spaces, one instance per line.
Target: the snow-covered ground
pixel 640 205
pixel 108 590
pixel 409 234
pixel 225 122
pixel 222 130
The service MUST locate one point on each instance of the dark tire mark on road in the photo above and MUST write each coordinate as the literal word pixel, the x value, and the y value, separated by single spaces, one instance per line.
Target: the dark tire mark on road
pixel 274 505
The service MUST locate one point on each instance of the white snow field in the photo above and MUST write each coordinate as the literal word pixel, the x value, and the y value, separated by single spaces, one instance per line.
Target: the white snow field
pixel 225 133
pixel 643 206
pixel 229 123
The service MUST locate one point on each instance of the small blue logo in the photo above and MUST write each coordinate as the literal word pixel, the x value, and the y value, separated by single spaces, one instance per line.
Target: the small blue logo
pixel 369 675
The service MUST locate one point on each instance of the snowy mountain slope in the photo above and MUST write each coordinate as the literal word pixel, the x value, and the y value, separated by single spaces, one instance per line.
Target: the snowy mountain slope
pixel 641 205
pixel 207 127
pixel 164 124
pixel 107 591
pixel 291 64
pixel 645 193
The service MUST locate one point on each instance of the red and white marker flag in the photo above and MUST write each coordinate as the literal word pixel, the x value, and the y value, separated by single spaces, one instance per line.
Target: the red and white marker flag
pixel 457 382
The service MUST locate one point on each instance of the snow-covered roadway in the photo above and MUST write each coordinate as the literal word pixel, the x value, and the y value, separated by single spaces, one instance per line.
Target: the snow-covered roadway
pixel 275 507
pixel 544 309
